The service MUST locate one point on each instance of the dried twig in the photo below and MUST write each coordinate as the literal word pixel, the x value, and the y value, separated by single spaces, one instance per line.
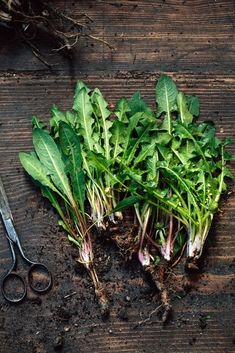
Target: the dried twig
pixel 28 16
pixel 140 323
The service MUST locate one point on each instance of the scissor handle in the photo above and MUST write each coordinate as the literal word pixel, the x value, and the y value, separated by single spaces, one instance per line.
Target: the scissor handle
pixel 18 292
pixel 13 286
pixel 39 278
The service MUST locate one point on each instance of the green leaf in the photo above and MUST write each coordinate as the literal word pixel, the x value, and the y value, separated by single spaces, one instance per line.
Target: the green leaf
pixel 56 117
pixel 208 137
pixel 70 145
pixel 76 242
pixel 97 139
pixel 133 123
pixel 121 109
pixel 228 173
pixel 103 165
pixel 71 118
pixel 166 97
pixel 162 138
pixel 118 137
pixel 165 152
pixel 228 156
pixel 143 137
pixel 224 186
pixel 179 243
pixel 186 152
pixel 164 124
pixel 145 151
pixel 37 123
pixel 136 175
pixel 79 86
pixel 176 143
pixel 82 105
pixel 182 131
pixel 50 195
pixel 193 105
pixel 64 226
pixel 152 167
pixel 127 202
pixel 185 115
pixel 50 157
pixel 137 105
pixel 103 114
pixel 36 169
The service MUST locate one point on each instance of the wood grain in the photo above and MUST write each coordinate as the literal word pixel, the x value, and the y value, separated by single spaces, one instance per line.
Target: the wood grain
pixel 193 41
pixel 151 36
pixel 18 104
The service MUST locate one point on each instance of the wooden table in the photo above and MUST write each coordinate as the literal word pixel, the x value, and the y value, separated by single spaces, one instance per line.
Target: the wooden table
pixel 193 41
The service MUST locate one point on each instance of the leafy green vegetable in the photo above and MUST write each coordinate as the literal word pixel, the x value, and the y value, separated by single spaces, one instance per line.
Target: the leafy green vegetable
pixel 127 202
pixel 170 170
pixel 102 114
pixel 83 107
pixel 57 168
pixel 137 105
pixel 36 169
pixel 193 105
pixel 70 146
pixel 166 97
pixel 50 157
pixel 56 117
pixel 185 115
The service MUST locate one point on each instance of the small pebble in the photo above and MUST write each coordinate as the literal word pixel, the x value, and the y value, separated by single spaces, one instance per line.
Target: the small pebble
pixel 58 342
pixel 66 329
pixel 128 299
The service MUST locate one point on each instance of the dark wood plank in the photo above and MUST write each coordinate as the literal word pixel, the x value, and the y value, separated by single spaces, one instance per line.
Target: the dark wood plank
pixel 194 42
pixel 147 35
pixel 211 295
pixel 18 104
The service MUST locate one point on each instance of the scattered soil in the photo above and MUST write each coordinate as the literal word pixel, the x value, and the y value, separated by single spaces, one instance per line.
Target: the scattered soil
pixel 69 315
pixel 68 319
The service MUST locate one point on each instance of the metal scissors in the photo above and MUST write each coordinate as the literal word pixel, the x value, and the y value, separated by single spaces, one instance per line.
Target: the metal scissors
pixel 13 286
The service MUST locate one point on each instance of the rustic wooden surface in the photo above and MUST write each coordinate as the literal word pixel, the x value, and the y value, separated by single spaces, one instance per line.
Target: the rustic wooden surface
pixel 194 42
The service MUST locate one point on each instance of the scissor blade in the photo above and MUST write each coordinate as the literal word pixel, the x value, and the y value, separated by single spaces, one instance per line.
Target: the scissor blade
pixel 4 205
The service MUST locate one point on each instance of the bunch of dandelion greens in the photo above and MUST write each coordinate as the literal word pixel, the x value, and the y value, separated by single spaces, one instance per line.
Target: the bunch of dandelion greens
pixel 170 170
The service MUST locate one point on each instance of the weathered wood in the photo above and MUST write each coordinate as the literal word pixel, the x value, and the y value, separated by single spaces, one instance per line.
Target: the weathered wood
pixel 194 42
pixel 18 104
pixel 173 35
